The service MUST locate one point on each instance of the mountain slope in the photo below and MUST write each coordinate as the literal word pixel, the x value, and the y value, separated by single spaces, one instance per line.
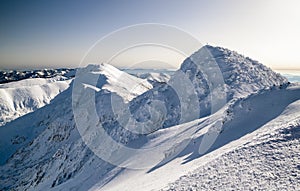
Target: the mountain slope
pixel 266 160
pixel 43 150
pixel 240 76
pixel 110 81
pixel 202 171
pixel 22 97
pixel 49 134
pixel 205 82
pixel 61 142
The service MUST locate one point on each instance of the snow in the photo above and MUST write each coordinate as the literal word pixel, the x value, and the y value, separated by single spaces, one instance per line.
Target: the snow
pixel 114 80
pixel 186 162
pixel 30 126
pixel 22 97
pixel 241 76
pixel 264 160
pixel 155 77
pixel 14 75
pixel 249 141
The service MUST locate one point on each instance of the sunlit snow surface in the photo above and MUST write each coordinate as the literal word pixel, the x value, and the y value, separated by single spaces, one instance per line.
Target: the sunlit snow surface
pixel 257 148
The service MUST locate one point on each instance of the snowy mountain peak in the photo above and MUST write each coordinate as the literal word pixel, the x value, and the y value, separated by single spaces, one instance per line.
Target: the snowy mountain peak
pixel 112 79
pixel 44 150
pixel 230 62
pixel 240 76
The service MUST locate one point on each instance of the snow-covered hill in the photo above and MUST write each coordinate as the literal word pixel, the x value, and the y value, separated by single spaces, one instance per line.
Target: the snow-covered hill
pixel 110 80
pixel 241 75
pixel 215 76
pixel 66 158
pixel 43 150
pixel 22 97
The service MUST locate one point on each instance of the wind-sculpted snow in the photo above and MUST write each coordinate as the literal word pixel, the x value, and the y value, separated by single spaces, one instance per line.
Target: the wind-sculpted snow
pixel 265 160
pixel 46 150
pixel 242 76
pixel 238 133
pixel 217 75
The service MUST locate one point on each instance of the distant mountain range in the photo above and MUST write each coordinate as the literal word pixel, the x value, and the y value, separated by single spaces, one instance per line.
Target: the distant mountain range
pixel 15 75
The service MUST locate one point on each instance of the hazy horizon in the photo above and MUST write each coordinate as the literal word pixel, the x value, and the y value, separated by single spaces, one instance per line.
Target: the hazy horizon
pixel 290 70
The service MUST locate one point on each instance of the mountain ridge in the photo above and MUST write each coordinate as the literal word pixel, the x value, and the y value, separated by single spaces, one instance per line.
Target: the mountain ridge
pixel 57 158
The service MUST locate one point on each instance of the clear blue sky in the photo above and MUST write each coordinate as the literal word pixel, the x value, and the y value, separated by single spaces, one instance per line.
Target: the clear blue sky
pixel 52 33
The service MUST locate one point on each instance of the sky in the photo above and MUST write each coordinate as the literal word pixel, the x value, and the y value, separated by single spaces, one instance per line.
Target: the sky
pixel 58 33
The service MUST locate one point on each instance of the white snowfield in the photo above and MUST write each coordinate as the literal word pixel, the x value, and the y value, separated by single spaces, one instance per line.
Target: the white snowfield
pixel 256 148
pixel 246 156
pixel 24 96
pixel 116 81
